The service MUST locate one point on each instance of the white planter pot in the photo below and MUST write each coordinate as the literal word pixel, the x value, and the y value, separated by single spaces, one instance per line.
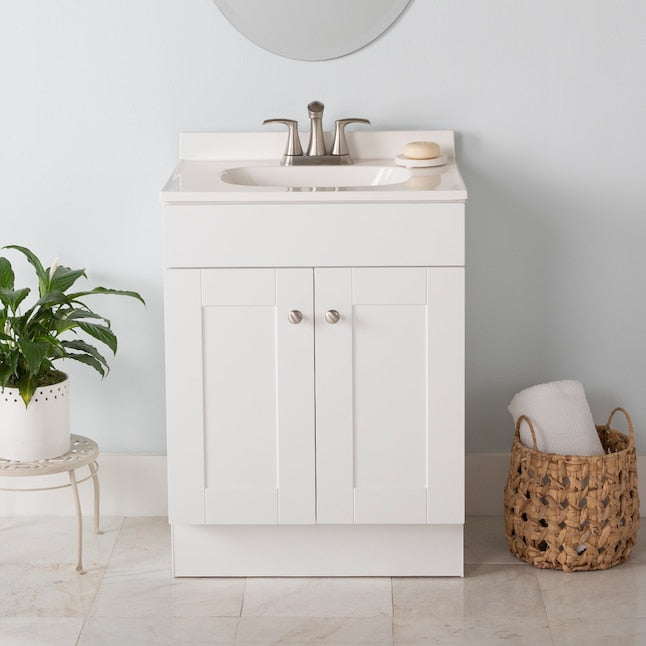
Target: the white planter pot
pixel 38 432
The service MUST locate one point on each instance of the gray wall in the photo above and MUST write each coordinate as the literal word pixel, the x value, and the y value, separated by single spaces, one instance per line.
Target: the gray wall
pixel 547 99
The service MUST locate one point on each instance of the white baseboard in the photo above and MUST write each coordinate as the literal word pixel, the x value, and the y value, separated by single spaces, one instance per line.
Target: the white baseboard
pixel 131 485
pixel 135 485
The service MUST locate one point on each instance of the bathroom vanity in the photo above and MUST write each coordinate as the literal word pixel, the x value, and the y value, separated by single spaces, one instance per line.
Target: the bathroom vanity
pixel 314 359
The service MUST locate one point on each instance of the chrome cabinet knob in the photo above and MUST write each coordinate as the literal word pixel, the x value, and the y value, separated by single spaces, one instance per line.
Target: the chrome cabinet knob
pixel 295 316
pixel 332 317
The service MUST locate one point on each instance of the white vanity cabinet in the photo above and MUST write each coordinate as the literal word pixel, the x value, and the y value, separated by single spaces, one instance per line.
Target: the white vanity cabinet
pixel 315 385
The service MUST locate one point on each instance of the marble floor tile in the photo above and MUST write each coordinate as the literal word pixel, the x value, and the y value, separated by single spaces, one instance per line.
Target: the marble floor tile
pixel 598 632
pixel 52 540
pixel 47 591
pixel 376 631
pixel 37 631
pixel 484 541
pixel 486 591
pixel 479 631
pixel 143 545
pixel 129 596
pixel 101 631
pixel 118 631
pixel 204 630
pixel 38 566
pixel 428 596
pixel 138 579
pixel 603 594
pixel 158 594
pixel 318 597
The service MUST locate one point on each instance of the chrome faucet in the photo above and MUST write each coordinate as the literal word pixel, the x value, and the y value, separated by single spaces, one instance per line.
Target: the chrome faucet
pixel 316 147
pixel 316 151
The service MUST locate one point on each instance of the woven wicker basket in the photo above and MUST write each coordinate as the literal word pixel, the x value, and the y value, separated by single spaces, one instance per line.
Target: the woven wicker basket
pixel 573 512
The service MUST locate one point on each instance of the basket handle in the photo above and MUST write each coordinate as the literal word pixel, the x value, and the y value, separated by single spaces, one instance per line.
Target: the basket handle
pixel 524 418
pixel 631 431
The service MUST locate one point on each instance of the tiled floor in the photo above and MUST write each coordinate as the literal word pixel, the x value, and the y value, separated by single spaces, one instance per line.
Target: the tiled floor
pixel 128 597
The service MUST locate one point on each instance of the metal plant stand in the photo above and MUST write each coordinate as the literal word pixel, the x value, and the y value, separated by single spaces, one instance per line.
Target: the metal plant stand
pixel 83 452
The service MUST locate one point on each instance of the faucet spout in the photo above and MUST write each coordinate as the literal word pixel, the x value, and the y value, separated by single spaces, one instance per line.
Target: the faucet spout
pixel 316 147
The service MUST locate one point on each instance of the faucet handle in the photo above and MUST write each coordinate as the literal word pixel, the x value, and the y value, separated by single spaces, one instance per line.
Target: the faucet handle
pixel 340 146
pixel 293 148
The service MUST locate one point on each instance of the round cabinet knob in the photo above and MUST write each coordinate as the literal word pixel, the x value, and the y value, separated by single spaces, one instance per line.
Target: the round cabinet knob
pixel 295 316
pixel 332 317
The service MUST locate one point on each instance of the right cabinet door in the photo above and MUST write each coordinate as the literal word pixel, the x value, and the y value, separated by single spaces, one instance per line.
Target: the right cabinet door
pixel 390 395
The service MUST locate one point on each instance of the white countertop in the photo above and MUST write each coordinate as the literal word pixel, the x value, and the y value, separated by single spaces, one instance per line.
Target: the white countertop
pixel 205 156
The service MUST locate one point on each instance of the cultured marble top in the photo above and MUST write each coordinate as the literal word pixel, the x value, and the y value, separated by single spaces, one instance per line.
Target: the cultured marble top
pixel 204 157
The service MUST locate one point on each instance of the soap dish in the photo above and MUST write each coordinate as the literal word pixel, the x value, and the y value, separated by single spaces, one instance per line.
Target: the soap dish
pixel 400 160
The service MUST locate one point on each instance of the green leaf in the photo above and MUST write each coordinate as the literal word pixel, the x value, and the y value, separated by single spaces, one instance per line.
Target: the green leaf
pixel 80 313
pixel 100 333
pixel 8 366
pixel 88 361
pixel 17 325
pixel 64 325
pixel 105 290
pixel 34 353
pixel 54 297
pixel 79 344
pixel 12 298
pixel 27 385
pixel 68 318
pixel 75 313
pixel 6 274
pixel 56 349
pixel 43 279
pixel 64 278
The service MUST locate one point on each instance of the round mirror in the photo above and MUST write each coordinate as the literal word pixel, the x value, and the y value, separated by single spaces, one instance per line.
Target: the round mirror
pixel 312 30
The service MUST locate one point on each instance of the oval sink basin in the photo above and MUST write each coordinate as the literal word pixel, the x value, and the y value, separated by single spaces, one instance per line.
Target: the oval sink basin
pixel 316 176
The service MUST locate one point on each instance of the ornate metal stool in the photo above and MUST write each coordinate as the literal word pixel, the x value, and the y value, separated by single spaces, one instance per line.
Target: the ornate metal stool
pixel 83 452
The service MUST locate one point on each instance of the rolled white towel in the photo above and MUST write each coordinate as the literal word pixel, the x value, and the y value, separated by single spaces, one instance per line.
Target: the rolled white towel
pixel 561 418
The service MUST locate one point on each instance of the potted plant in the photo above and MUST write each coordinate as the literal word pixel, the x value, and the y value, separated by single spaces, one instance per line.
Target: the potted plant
pixel 34 403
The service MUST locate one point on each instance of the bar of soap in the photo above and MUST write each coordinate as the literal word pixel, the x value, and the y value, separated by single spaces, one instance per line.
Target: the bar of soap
pixel 421 150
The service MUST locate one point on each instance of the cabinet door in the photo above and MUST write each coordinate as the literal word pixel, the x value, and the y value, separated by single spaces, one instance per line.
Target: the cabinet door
pixel 258 396
pixel 389 395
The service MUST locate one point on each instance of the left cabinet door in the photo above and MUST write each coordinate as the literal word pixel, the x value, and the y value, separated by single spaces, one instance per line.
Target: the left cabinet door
pixel 257 392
